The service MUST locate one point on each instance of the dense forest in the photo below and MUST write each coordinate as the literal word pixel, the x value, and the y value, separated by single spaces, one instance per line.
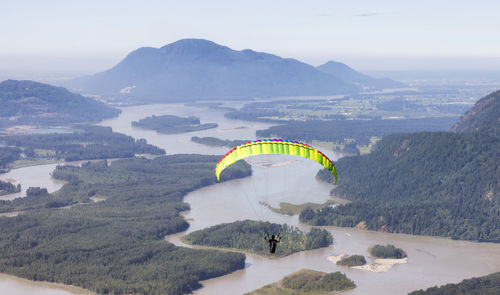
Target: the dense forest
pixel 249 235
pixel 428 183
pixel 33 103
pixel 7 156
pixel 214 141
pixel 8 188
pixel 487 285
pixel 89 142
pixel 115 245
pixel 387 251
pixel 308 281
pixel 353 260
pixel 169 124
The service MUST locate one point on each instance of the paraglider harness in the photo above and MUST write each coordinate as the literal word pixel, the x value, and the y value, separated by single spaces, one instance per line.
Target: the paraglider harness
pixel 273 241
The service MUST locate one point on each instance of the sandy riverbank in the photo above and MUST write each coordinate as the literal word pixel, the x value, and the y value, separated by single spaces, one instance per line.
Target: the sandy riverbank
pixel 378 265
pixel 10 283
pixel 335 259
pixel 10 214
pixel 274 165
pixel 381 265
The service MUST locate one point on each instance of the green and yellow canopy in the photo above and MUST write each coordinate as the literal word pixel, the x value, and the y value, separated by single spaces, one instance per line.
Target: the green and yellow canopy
pixel 274 146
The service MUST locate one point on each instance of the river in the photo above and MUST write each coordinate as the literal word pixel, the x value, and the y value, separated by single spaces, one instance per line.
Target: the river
pixel 431 261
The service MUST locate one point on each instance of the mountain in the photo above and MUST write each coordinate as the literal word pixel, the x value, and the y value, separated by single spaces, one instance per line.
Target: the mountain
pixel 192 69
pixel 428 183
pixel 33 103
pixel 349 75
pixel 483 117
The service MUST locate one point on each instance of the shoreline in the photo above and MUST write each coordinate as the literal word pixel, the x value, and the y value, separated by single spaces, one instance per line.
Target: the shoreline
pixel 184 240
pixel 29 163
pixel 334 259
pixel 46 285
pixel 378 265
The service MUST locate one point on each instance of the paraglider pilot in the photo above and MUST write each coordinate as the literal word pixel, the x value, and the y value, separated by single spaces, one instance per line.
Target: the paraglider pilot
pixel 273 242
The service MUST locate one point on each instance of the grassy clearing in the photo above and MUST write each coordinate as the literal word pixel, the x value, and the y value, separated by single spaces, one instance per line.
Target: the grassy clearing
pixel 366 149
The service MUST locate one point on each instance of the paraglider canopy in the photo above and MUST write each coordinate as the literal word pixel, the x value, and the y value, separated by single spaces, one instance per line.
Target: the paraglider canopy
pixel 274 146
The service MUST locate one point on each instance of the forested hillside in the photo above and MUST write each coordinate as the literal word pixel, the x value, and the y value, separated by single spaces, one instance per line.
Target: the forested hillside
pixel 33 103
pixel 483 117
pixel 429 183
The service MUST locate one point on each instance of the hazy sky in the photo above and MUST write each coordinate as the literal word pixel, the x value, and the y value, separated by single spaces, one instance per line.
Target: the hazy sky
pixel 73 37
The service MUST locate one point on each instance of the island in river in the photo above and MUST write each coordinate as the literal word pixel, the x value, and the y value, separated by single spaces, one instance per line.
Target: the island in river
pixel 249 236
pixel 385 258
pixel 387 252
pixel 292 209
pixel 353 260
pixel 307 281
pixel 170 124
pixel 378 265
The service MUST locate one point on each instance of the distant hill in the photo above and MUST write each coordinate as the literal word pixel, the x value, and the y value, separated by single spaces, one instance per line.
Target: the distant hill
pixel 349 75
pixel 192 69
pixel 33 103
pixel 483 117
pixel 428 183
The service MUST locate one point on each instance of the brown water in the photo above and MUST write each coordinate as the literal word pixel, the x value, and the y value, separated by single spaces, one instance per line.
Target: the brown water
pixel 34 176
pixel 10 285
pixel 431 261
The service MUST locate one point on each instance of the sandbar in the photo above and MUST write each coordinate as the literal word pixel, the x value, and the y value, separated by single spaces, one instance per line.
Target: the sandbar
pixel 337 258
pixel 378 265
pixel 273 165
pixel 27 285
pixel 381 265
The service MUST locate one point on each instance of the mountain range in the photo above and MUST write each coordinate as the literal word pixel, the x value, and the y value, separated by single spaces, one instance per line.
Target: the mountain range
pixel 349 75
pixel 191 69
